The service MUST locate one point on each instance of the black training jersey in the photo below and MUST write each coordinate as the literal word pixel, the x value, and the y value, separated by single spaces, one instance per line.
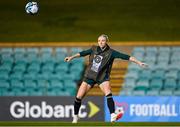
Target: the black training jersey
pixel 100 62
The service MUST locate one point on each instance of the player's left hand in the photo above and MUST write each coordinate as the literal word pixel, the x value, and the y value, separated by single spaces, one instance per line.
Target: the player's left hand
pixel 143 65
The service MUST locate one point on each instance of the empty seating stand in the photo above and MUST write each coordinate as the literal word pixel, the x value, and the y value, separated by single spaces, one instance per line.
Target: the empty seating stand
pixel 162 78
pixel 39 71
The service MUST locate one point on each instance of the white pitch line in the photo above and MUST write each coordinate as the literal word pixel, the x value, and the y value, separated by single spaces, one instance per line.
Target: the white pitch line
pixel 89 126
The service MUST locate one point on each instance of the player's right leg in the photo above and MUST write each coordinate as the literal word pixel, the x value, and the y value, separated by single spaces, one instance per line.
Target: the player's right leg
pixel 83 89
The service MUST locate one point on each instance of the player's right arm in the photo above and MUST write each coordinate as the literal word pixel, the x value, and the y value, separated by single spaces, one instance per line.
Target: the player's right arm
pixel 80 54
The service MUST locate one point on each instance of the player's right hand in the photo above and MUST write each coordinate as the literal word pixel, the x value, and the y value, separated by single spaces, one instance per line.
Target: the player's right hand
pixel 67 59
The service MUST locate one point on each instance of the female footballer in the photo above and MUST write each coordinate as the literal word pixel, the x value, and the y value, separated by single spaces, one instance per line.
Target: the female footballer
pixel 101 58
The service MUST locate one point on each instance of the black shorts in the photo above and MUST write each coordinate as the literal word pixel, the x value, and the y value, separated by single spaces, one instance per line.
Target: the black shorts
pixel 92 82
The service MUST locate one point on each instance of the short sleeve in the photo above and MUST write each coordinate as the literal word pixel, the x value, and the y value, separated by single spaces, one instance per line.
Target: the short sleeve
pixel 120 55
pixel 85 52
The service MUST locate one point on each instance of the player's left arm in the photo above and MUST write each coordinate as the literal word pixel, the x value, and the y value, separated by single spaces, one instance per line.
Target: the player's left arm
pixel 141 64
pixel 123 56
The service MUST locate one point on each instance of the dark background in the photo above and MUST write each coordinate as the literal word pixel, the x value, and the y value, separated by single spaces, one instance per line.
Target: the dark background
pixel 85 20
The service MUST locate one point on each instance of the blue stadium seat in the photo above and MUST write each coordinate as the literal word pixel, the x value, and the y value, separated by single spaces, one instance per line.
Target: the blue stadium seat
pixel 151 50
pixel 158 74
pixel 171 74
pixel 46 50
pixel 138 93
pixel 16 85
pixel 145 74
pixel 5 67
pixel 156 84
pixel 152 92
pixel 22 93
pixel 129 83
pixel 30 84
pixel 16 75
pixel 35 92
pixel 47 68
pixel 4 75
pixel 170 84
pixel 142 84
pixel 55 76
pixel 166 93
pixel 30 76
pixel 34 67
pixel 63 67
pixel 139 49
pixel 125 93
pixel 6 51
pixel 4 85
pixel 56 84
pixel 176 92
pixel 60 50
pixel 8 93
pixel 19 67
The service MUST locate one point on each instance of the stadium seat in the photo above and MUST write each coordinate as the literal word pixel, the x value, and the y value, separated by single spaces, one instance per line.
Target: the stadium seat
pixel 4 85
pixel 159 73
pixel 152 92
pixel 63 67
pixel 35 92
pixel 22 93
pixel 4 75
pixel 8 93
pixel 132 74
pixel 19 67
pixel 16 84
pixel 42 84
pixel 145 74
pixel 7 58
pixel 46 50
pixel 171 74
pixel 43 76
pixel 133 67
pixel 142 84
pixel 32 50
pixel 125 93
pixel 70 86
pixel 51 93
pixel 47 68
pixel 166 93
pixel 151 50
pixel 63 93
pixel 56 84
pixel 16 76
pixel 164 49
pixel 170 84
pixel 75 50
pixel 46 57
pixel 138 93
pixel 30 76
pixel 156 84
pixel 30 84
pixel 56 76
pixel 139 49
pixel 6 51
pixel 176 93
pixel 34 67
pixel 129 83
pixel 5 67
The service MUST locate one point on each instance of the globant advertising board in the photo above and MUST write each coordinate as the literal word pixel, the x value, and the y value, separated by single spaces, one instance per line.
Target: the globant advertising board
pixel 147 109
pixel 49 109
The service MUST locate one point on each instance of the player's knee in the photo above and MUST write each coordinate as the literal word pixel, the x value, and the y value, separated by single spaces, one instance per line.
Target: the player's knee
pixel 109 95
pixel 78 100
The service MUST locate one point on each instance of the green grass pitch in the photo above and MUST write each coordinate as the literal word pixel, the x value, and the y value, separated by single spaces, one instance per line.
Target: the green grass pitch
pixel 87 124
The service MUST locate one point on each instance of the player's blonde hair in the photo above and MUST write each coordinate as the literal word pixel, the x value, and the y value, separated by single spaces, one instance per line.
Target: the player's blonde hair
pixel 105 36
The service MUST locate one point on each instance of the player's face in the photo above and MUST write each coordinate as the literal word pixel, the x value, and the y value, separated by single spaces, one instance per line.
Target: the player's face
pixel 102 42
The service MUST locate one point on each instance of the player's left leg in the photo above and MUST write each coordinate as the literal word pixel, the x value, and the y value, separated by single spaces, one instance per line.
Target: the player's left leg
pixel 106 88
